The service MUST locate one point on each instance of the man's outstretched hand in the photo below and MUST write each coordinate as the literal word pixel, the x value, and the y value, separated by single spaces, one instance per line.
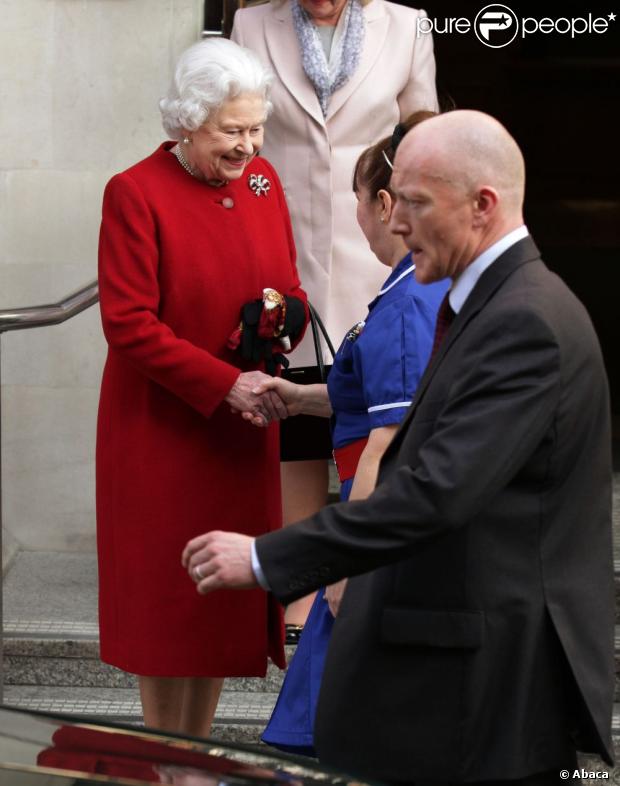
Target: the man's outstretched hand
pixel 220 560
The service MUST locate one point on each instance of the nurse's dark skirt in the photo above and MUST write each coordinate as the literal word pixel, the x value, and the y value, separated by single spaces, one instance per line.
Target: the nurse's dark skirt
pixel 291 727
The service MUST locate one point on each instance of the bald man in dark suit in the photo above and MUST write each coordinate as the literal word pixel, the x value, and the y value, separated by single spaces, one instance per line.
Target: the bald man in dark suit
pixel 475 642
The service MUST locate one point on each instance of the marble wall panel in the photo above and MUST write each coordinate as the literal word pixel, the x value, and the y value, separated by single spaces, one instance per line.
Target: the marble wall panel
pixel 26 90
pixel 80 84
pixel 52 218
pixel 48 466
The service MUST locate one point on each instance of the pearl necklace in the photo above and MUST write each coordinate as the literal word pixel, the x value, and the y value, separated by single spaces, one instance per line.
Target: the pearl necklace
pixel 192 170
pixel 181 159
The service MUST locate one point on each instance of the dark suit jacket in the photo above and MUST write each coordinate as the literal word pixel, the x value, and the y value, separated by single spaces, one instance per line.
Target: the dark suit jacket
pixel 478 643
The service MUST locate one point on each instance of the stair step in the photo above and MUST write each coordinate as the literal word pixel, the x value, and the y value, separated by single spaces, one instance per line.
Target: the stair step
pixel 64 653
pixel 45 629
pixel 124 703
pixel 240 716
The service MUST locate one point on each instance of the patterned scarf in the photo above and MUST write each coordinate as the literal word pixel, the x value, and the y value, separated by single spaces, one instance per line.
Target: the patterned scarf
pixel 345 53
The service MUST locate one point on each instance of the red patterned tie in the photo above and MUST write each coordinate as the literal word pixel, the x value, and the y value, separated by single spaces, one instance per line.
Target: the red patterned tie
pixel 445 317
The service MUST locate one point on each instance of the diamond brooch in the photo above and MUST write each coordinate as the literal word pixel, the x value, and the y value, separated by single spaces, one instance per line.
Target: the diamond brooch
pixel 259 184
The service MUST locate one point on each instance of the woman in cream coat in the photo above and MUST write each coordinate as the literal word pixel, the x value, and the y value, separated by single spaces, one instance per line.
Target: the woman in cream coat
pixel 314 144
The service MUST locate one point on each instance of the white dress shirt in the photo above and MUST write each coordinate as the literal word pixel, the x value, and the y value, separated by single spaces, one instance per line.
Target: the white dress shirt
pixel 463 285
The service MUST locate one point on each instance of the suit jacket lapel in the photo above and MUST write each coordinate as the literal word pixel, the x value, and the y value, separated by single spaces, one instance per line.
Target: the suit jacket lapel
pixel 489 282
pixel 287 61
pixel 377 23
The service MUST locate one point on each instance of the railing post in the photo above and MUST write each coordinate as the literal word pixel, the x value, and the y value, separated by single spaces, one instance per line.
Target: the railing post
pixel 2 574
pixel 31 317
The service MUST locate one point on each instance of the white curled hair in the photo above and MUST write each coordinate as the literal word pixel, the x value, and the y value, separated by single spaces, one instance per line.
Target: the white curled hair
pixel 207 75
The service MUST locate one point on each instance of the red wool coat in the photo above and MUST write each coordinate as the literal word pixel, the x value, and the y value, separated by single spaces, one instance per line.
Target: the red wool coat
pixel 175 267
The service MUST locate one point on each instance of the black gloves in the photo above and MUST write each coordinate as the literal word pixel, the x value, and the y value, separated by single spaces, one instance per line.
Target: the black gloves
pixel 260 341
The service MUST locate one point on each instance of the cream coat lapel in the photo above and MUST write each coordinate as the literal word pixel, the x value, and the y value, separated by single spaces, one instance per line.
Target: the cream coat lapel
pixel 377 24
pixel 287 60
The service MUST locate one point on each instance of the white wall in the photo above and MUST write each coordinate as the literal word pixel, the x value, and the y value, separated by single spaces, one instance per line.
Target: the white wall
pixel 79 86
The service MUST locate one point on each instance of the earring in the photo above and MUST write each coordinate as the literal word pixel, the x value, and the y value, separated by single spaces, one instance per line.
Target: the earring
pixel 381 219
pixel 186 140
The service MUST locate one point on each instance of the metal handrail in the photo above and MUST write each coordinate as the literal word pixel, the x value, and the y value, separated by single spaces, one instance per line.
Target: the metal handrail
pixel 50 313
pixel 32 317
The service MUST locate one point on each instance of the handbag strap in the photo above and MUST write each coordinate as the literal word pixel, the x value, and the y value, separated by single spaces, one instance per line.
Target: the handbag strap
pixel 318 331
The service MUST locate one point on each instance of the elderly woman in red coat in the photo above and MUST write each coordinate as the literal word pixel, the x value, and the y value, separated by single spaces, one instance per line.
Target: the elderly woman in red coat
pixel 191 237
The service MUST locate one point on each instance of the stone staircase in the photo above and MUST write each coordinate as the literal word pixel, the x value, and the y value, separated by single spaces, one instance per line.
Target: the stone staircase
pixel 51 652
pixel 52 664
pixel 59 671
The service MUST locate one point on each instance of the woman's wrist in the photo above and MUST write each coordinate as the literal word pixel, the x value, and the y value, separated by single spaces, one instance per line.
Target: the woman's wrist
pixel 295 403
pixel 315 401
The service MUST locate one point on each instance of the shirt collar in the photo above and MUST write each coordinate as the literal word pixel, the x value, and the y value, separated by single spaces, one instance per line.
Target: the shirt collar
pixel 463 285
pixel 404 268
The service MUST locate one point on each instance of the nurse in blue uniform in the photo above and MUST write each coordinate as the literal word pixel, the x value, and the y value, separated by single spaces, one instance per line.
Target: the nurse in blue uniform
pixel 374 376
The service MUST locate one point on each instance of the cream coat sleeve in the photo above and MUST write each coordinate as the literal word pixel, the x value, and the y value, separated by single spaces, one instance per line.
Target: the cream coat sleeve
pixel 236 34
pixel 420 91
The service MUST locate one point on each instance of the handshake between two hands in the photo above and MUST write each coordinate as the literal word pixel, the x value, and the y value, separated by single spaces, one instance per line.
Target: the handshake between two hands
pixel 261 399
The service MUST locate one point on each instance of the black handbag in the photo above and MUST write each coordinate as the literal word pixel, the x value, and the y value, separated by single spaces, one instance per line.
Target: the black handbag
pixel 307 437
pixel 318 330
pixel 308 375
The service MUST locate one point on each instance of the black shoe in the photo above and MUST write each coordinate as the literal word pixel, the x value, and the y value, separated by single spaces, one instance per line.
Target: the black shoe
pixel 293 632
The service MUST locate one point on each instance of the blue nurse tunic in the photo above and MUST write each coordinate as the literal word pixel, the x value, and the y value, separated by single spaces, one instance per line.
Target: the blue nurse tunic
pixel 372 381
